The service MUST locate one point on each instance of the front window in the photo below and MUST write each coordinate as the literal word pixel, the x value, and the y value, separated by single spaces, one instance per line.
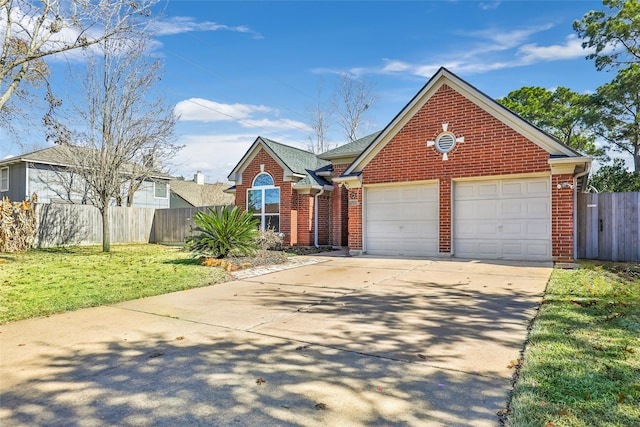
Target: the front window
pixel 160 190
pixel 263 201
pixel 4 179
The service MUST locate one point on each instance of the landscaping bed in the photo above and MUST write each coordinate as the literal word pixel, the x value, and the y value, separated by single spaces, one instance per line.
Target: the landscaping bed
pixel 581 366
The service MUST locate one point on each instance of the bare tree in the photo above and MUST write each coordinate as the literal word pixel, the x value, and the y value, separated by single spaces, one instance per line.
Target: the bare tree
pixel 352 99
pixel 124 123
pixel 319 121
pixel 31 30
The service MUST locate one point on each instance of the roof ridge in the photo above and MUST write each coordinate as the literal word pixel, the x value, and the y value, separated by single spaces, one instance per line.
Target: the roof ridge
pixel 287 146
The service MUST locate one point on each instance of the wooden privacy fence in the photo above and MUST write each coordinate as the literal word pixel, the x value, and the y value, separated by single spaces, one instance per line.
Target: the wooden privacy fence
pixel 62 224
pixel 173 226
pixel 608 226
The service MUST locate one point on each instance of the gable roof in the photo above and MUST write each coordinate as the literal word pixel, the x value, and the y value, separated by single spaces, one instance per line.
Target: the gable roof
pixel 350 149
pixel 59 156
pixel 443 76
pixel 202 195
pixel 295 162
pixel 55 155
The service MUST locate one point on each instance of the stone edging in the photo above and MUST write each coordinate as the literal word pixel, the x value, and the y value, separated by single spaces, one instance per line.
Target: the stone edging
pixel 293 262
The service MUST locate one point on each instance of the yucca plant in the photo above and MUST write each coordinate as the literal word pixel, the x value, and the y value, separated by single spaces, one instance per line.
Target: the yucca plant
pixel 219 233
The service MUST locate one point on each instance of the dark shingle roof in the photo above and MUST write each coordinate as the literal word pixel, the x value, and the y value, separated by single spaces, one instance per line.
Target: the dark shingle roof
pixel 350 149
pixel 299 161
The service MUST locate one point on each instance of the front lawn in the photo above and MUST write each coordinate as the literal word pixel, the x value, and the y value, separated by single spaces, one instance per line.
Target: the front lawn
pixel 582 362
pixel 45 281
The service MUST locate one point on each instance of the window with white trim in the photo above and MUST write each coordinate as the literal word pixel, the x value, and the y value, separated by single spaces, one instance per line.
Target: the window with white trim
pixel 160 190
pixel 263 201
pixel 4 179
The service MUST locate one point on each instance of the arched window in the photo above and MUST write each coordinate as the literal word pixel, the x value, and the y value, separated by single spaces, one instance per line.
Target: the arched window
pixel 263 200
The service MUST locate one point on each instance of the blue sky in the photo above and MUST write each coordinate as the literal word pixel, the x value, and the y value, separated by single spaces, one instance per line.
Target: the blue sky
pixel 238 70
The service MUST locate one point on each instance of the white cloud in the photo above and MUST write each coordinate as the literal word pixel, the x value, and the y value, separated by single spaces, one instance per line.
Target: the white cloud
pixel 492 50
pixel 570 49
pixel 214 155
pixel 489 5
pixel 496 40
pixel 186 24
pixel 279 124
pixel 393 66
pixel 204 110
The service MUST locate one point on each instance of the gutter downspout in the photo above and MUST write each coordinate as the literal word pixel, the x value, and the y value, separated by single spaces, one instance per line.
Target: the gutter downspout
pixel 315 218
pixel 575 213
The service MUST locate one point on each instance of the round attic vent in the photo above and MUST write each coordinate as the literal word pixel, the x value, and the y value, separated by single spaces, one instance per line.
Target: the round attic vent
pixel 445 142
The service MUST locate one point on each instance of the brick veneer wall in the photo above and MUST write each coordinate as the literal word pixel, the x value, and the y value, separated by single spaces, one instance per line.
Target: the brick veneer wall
pixel 305 219
pixel 355 220
pixel 287 194
pixel 490 148
pixel 339 210
pixel 324 218
pixel 562 215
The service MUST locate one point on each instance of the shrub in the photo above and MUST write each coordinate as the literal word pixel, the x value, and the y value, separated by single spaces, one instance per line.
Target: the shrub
pixel 17 225
pixel 219 233
pixel 269 240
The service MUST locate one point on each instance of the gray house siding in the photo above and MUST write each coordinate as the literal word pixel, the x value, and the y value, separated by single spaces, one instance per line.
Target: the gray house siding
pixel 178 202
pixel 51 185
pixel 145 196
pixel 17 191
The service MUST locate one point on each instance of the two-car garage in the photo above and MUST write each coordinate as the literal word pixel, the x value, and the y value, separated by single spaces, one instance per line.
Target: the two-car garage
pixel 491 219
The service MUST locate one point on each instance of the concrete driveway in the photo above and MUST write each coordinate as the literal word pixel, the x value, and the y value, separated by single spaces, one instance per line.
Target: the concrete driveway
pixel 343 342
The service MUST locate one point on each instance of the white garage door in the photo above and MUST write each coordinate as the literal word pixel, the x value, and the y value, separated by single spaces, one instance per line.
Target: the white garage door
pixel 503 219
pixel 402 220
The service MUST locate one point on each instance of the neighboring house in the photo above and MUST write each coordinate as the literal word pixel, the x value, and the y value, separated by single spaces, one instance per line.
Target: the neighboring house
pixel 45 173
pixel 186 194
pixel 453 174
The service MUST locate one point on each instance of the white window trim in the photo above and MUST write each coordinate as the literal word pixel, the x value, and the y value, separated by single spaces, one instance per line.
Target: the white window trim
pixel 263 189
pixel 3 187
pixel 166 184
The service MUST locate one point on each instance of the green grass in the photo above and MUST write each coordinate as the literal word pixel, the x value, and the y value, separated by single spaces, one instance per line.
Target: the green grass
pixel 582 363
pixel 45 281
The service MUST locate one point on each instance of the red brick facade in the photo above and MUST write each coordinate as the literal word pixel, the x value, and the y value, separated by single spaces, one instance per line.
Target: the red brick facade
pixel 339 224
pixel 490 149
pixel 562 215
pixel 296 210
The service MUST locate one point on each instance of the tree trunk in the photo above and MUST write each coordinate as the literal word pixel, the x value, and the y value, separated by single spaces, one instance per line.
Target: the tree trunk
pixel 106 235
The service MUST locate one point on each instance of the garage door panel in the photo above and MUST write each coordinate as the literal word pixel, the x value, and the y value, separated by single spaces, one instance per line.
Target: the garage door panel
pixel 402 220
pixel 516 249
pixel 540 229
pixel 400 229
pixel 383 196
pixel 402 247
pixel 539 187
pixel 512 223
pixel 410 211
pixel 513 188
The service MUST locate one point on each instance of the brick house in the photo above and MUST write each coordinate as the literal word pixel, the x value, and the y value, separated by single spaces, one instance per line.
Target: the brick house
pixel 453 174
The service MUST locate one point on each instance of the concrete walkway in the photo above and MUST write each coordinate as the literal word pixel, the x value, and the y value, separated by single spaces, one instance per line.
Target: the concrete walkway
pixel 339 342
